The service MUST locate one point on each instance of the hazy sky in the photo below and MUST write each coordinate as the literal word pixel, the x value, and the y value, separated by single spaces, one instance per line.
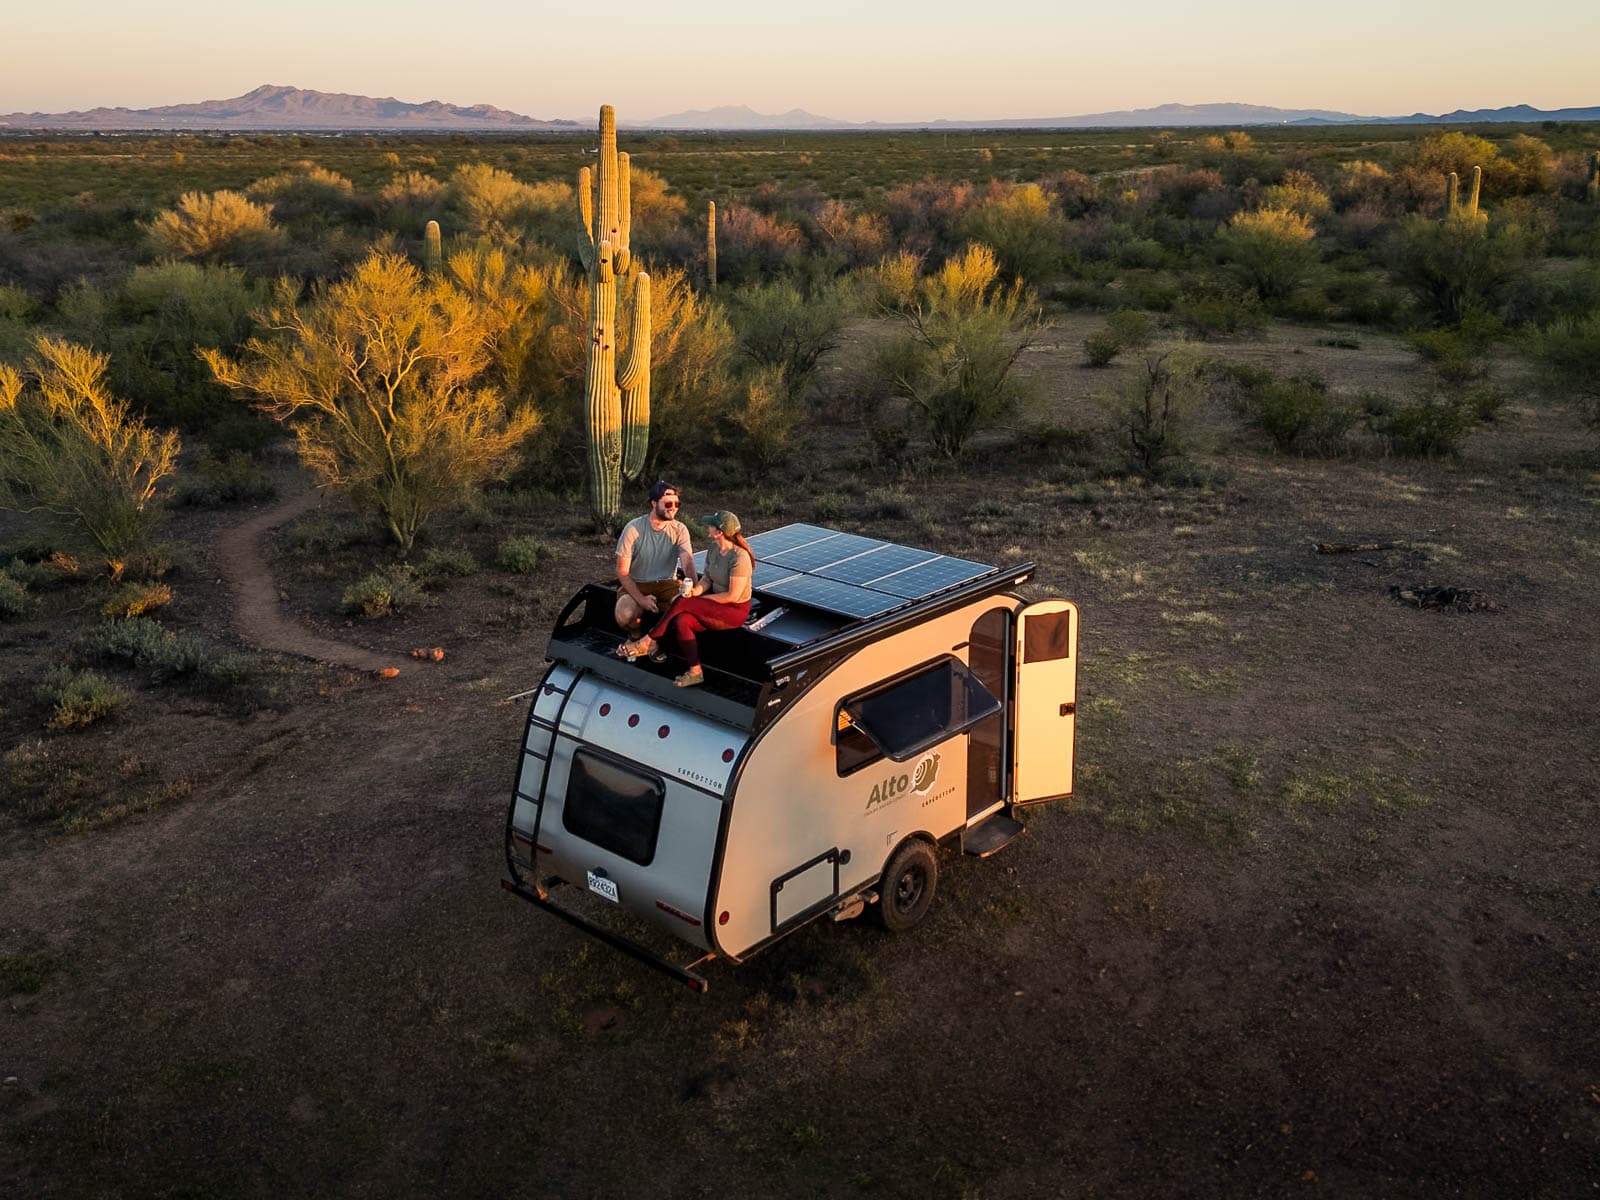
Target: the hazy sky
pixel 851 59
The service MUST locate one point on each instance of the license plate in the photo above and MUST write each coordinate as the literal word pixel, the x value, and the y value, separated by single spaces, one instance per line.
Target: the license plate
pixel 601 886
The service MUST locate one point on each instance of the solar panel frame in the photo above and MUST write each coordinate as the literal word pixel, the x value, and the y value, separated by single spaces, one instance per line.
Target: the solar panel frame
pixel 844 599
pixel 931 577
pixel 813 557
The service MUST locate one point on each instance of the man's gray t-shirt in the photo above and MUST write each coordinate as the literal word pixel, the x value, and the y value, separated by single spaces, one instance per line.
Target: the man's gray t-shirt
pixel 655 551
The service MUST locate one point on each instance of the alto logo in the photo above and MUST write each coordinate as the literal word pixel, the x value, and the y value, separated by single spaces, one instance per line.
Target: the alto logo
pixel 924 773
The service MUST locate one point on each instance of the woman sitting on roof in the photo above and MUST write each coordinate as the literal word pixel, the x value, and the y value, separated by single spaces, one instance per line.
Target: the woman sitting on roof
pixel 721 600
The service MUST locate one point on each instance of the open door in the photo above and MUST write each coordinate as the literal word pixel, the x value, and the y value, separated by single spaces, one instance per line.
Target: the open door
pixel 1046 701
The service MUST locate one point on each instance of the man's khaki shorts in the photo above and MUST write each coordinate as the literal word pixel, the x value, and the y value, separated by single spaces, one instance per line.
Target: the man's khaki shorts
pixel 664 590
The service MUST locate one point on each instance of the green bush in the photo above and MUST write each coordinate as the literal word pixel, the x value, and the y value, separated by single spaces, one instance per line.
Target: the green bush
pixel 1296 412
pixel 385 591
pixel 79 698
pixel 1208 311
pixel 778 326
pixel 1566 361
pixel 766 420
pixel 439 563
pixel 232 671
pixel 15 603
pixel 1430 426
pixel 522 555
pixel 216 482
pixel 1459 265
pixel 1460 353
pixel 1100 347
pixel 142 642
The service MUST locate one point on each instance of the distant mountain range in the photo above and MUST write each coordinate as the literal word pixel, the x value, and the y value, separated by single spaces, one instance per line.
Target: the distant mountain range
pixel 273 107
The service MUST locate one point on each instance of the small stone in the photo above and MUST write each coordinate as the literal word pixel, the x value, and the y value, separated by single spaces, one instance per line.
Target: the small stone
pixel 11 1081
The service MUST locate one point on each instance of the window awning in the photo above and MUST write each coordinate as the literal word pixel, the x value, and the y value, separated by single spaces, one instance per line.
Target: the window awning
pixel 922 710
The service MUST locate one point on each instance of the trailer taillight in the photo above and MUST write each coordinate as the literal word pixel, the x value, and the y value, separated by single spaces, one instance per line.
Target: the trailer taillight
pixel 633 720
pixel 663 731
pixel 605 710
pixel 727 756
pixel 722 917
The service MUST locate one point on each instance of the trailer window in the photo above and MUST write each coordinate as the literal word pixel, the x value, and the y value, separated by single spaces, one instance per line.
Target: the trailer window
pixel 616 808
pixel 906 717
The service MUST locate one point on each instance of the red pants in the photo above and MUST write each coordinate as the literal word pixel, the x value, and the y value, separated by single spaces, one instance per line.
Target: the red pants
pixel 690 615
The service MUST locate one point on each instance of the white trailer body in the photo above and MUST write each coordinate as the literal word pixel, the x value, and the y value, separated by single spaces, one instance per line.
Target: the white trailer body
pixel 824 752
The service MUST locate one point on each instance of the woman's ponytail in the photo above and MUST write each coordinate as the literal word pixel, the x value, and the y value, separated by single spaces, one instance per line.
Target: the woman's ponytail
pixel 738 540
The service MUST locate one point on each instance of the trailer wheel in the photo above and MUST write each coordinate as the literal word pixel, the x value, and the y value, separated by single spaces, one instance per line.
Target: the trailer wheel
pixel 907 888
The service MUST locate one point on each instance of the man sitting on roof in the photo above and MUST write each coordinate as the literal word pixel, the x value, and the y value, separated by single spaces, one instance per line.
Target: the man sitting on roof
pixel 652 548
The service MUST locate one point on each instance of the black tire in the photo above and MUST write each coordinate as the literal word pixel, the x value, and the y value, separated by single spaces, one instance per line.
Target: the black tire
pixel 906 890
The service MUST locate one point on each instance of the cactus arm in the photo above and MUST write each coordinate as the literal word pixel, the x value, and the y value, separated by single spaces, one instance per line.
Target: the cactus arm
pixel 606 168
pixel 624 201
pixel 586 212
pixel 603 400
pixel 711 245
pixel 1477 185
pixel 634 380
pixel 1453 193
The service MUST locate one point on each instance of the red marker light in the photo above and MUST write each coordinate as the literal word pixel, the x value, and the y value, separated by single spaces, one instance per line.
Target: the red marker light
pixel 605 710
pixel 663 731
pixel 722 918
pixel 727 756
pixel 633 720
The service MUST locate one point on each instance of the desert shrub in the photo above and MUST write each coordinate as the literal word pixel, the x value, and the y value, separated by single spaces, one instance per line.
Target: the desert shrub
pixel 1271 251
pixel 1019 224
pixel 232 671
pixel 73 453
pixel 1566 362
pixel 490 201
pixel 752 244
pixel 1100 347
pixel 778 326
pixel 79 698
pixel 522 555
pixel 1364 297
pixel 857 238
pixel 215 482
pixel 829 506
pixel 1296 412
pixel 1460 353
pixel 1154 415
pixel 380 377
pixel 136 599
pixel 1430 425
pixel 962 331
pixel 766 419
pixel 15 603
pixel 1457 265
pixel 213 227
pixel 141 642
pixel 924 215
pixel 1298 192
pixel 410 200
pixel 1205 310
pixel 151 326
pixel 383 592
pixel 308 193
pixel 440 563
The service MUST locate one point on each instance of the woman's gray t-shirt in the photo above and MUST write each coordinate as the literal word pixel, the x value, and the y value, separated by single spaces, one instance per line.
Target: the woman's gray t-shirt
pixel 720 566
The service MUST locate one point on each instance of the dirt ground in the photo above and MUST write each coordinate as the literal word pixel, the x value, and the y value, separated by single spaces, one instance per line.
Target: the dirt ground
pixel 1321 919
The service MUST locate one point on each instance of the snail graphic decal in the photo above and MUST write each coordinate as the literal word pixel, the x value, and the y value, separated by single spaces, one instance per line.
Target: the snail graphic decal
pixel 926 771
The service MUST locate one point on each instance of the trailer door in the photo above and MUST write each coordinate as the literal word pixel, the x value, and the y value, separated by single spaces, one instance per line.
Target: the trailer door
pixel 1046 701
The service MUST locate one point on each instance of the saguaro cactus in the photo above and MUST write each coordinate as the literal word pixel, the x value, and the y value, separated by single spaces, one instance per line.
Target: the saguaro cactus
pixel 432 250
pixel 1454 207
pixel 618 401
pixel 1594 178
pixel 711 245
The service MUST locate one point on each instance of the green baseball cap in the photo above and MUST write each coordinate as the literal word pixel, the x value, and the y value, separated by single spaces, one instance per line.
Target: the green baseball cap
pixel 726 521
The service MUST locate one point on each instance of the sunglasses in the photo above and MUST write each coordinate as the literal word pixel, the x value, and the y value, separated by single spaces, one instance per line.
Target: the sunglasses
pixel 668 503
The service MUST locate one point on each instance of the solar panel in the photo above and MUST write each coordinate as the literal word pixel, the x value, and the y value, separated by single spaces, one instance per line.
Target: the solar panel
pixel 786 537
pixel 875 564
pixel 764 574
pixel 935 575
pixel 833 596
pixel 826 552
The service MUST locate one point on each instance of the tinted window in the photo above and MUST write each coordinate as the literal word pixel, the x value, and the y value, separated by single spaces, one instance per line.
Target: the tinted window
pixel 911 714
pixel 1046 636
pixel 615 808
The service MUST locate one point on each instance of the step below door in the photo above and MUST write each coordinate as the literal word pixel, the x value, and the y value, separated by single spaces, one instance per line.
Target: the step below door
pixel 1046 701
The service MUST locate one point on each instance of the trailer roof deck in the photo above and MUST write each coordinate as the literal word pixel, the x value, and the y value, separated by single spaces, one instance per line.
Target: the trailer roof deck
pixel 818 594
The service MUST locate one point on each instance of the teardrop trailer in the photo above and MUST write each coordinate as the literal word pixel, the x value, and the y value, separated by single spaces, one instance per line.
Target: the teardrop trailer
pixel 882 700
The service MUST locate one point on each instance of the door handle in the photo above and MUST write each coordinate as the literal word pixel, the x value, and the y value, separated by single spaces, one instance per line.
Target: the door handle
pixel 1068 709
